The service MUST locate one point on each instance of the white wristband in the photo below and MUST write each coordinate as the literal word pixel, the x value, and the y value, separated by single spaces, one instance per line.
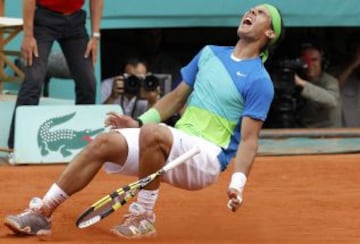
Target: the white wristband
pixel 238 181
pixel 96 35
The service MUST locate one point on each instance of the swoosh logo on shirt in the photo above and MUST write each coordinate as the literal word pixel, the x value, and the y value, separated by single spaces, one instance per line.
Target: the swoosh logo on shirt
pixel 238 73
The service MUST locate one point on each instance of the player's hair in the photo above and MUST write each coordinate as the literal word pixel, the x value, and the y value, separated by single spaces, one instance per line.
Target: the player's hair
pixel 269 47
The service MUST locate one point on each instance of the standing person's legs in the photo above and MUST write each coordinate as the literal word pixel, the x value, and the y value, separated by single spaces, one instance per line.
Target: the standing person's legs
pixel 31 87
pixel 82 69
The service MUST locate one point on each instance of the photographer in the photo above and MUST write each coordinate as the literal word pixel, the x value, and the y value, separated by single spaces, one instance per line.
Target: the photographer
pixel 135 90
pixel 319 90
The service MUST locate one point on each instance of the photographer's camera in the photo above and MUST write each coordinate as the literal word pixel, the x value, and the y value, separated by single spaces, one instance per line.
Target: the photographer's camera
pixel 285 72
pixel 133 83
pixel 286 100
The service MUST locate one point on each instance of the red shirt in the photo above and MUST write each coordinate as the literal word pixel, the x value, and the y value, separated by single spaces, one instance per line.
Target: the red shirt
pixel 62 6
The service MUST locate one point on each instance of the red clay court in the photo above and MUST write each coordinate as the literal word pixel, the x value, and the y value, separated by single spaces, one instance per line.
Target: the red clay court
pixel 288 199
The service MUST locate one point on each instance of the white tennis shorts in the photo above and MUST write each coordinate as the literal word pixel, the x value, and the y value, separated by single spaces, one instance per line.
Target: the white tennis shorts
pixel 197 172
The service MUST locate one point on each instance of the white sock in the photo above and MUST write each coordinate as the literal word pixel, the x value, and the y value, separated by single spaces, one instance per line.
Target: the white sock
pixel 54 197
pixel 147 198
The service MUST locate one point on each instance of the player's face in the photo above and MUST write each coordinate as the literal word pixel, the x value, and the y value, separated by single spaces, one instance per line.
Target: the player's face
pixel 255 24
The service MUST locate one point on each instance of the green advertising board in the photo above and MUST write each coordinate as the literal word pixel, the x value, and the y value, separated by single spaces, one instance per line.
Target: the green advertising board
pixel 55 134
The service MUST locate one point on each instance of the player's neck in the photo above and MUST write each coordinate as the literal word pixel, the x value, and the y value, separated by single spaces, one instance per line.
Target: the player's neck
pixel 245 50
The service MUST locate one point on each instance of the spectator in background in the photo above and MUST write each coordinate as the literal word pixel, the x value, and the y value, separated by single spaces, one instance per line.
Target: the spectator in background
pixel 127 91
pixel 46 21
pixel 319 90
pixel 349 80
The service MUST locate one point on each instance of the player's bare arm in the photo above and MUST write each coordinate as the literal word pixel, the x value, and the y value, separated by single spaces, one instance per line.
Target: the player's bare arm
pixel 173 101
pixel 243 160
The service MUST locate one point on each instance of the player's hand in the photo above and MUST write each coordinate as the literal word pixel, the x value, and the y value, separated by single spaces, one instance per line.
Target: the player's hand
pixel 235 199
pixel 117 121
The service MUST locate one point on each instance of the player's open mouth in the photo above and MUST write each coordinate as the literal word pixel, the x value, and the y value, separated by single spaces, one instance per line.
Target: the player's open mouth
pixel 247 21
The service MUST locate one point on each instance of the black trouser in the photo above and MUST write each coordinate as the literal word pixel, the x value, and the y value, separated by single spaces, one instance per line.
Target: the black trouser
pixel 70 32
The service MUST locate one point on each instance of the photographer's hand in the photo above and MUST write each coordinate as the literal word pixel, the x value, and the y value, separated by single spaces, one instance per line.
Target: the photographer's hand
pixel 118 87
pixel 299 81
pixel 116 90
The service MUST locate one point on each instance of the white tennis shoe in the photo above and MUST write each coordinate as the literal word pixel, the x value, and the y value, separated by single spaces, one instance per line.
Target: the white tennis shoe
pixel 137 223
pixel 29 222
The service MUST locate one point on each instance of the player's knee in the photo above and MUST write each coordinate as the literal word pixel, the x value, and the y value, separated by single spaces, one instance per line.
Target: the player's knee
pixel 154 135
pixel 105 145
pixel 148 134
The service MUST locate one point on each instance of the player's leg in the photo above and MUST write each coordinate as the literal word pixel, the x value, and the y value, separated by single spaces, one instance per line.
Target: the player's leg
pixel 155 145
pixel 36 220
pixel 198 171
pixel 159 145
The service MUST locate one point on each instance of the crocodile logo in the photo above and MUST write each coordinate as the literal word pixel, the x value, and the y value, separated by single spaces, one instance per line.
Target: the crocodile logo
pixel 63 140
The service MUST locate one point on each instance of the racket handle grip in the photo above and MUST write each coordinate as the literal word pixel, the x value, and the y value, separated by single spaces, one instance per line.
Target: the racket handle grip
pixel 183 157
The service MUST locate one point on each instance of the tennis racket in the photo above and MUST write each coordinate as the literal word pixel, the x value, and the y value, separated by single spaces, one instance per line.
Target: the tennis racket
pixel 112 202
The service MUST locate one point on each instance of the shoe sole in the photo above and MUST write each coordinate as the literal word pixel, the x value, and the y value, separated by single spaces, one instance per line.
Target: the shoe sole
pixel 24 231
pixel 151 234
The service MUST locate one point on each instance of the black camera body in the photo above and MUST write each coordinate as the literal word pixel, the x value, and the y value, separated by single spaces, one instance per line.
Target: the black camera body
pixel 132 83
pixel 286 69
pixel 287 100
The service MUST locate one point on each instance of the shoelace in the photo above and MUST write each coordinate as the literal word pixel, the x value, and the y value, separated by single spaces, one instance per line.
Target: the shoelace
pixel 128 218
pixel 33 211
pixel 25 212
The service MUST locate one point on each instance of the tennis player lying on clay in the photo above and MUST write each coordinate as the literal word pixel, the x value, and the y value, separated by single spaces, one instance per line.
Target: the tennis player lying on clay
pixel 226 92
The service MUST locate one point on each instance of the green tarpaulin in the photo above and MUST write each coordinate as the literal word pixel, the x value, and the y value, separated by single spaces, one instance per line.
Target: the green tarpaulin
pixel 226 13
pixel 209 13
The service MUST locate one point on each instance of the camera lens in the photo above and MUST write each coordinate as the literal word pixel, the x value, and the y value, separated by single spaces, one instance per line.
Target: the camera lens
pixel 132 84
pixel 151 82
